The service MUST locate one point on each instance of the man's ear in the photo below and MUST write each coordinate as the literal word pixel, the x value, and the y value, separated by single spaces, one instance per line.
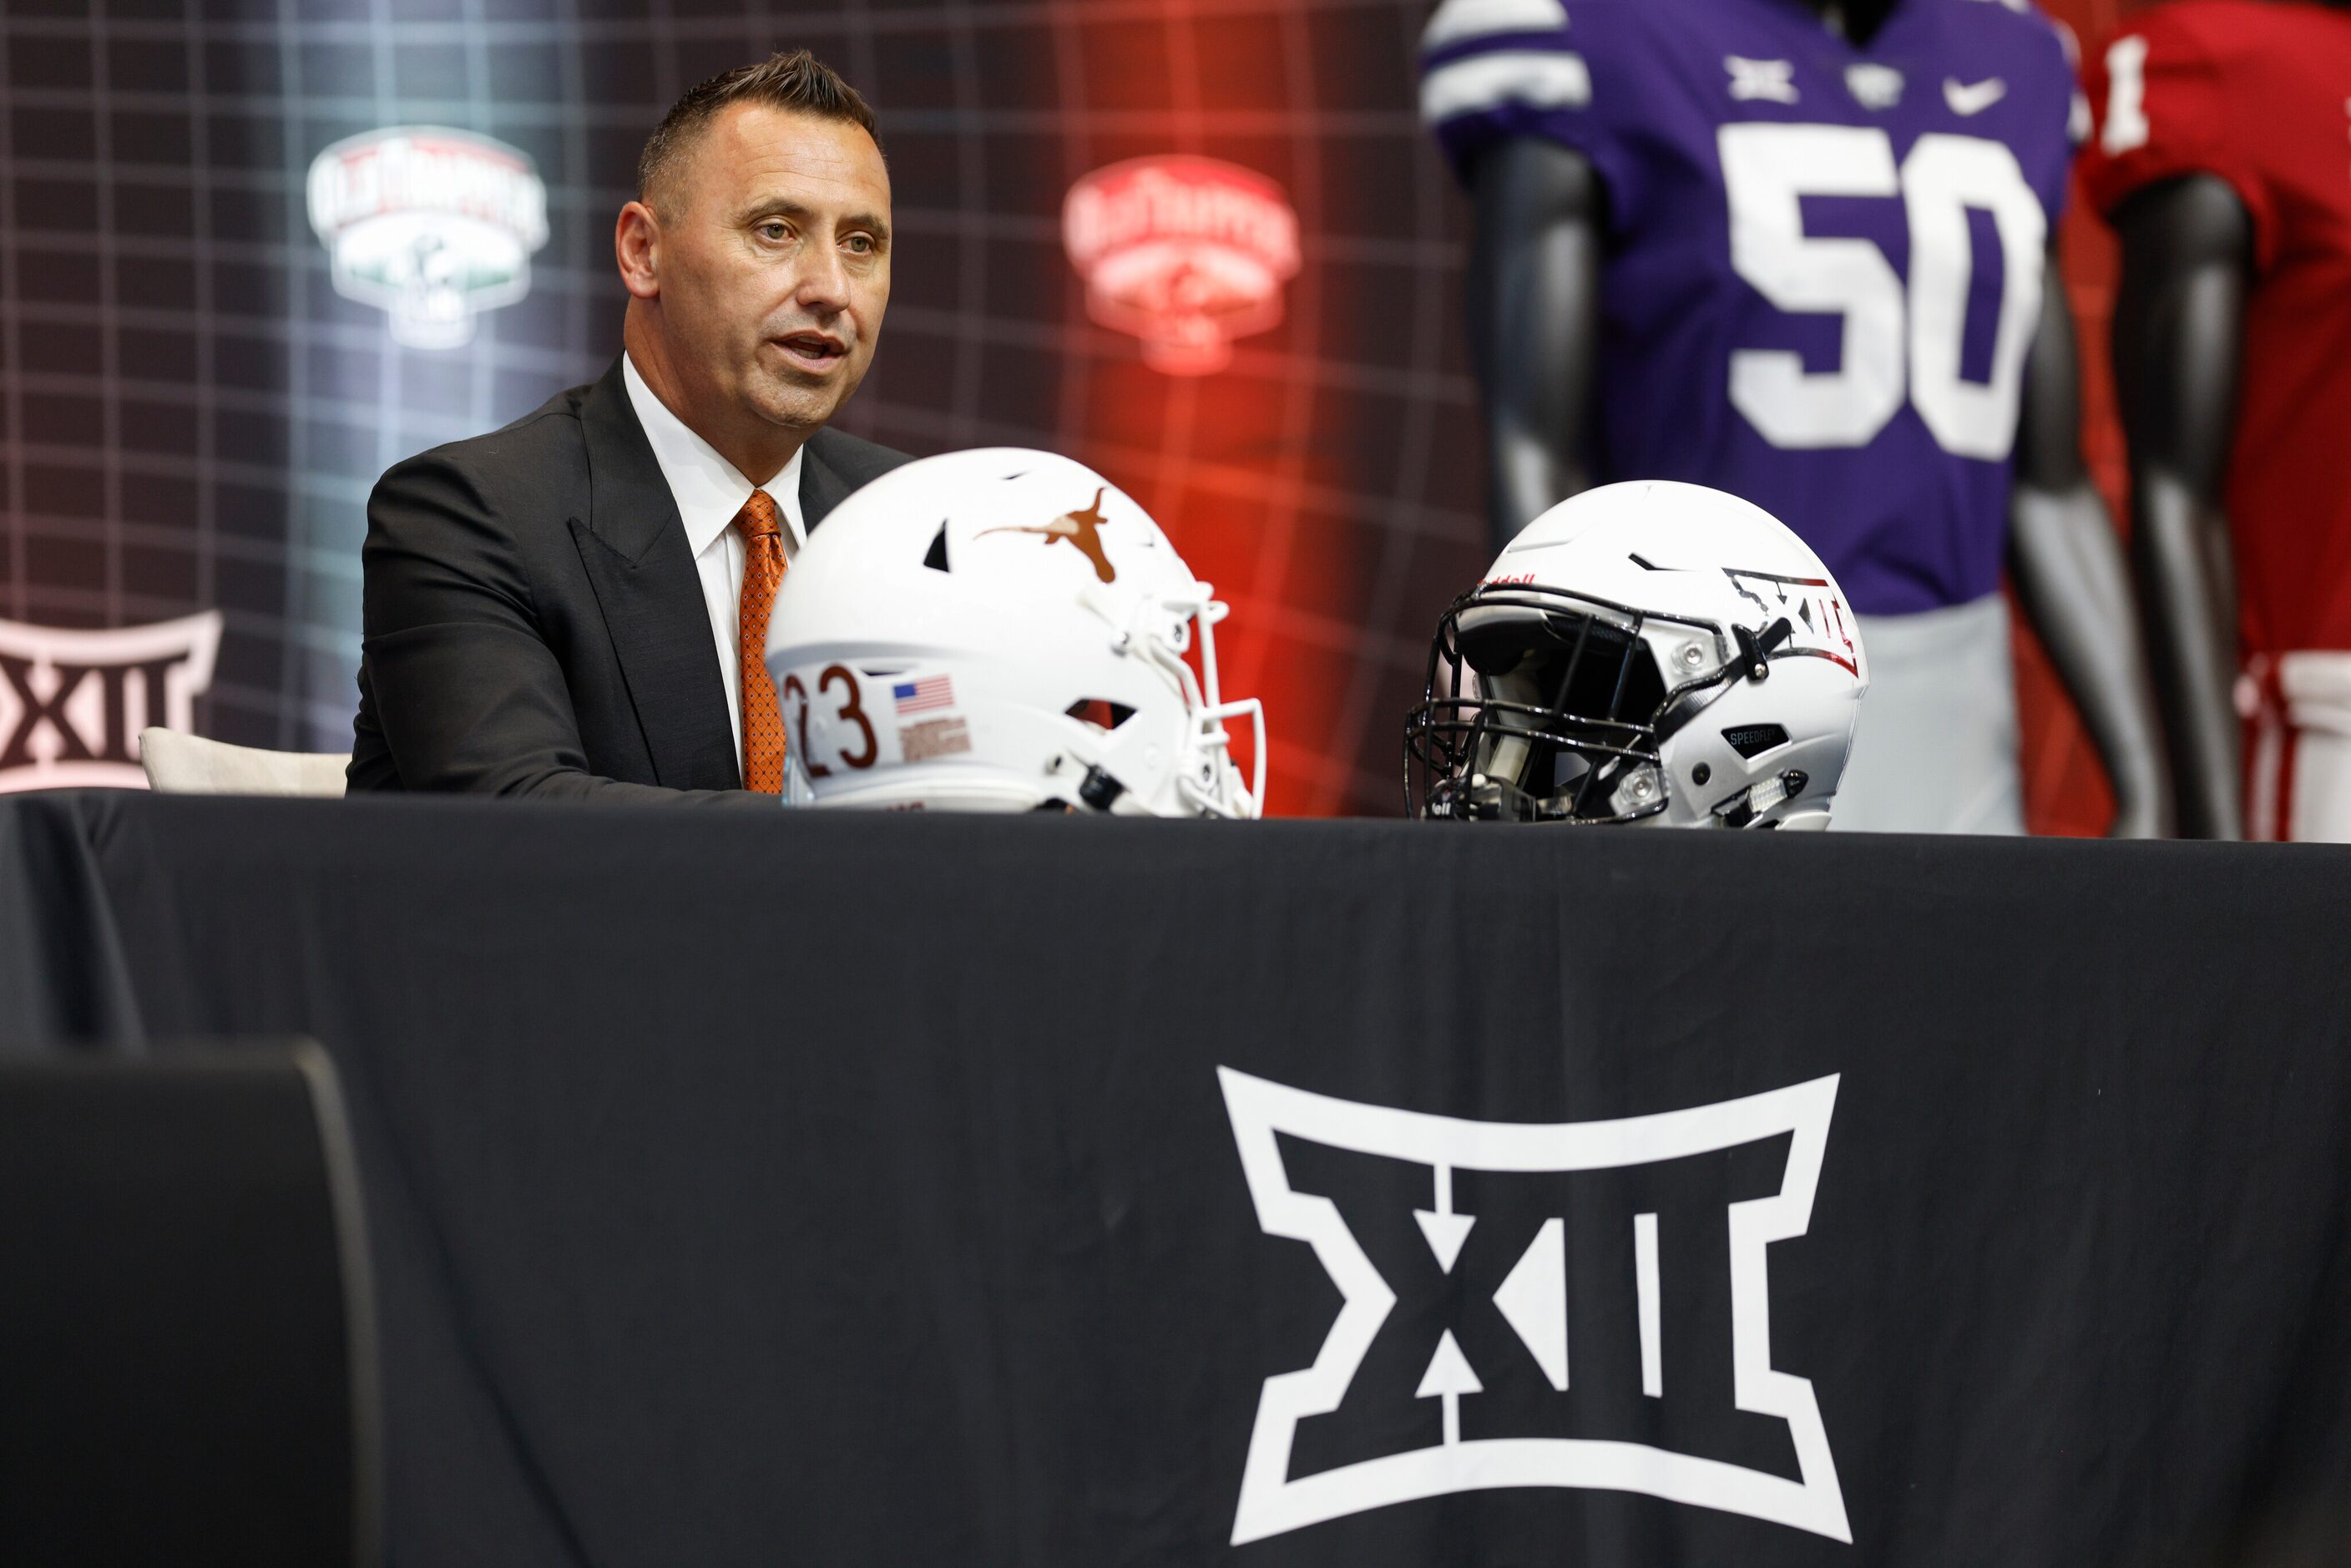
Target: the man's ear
pixel 636 247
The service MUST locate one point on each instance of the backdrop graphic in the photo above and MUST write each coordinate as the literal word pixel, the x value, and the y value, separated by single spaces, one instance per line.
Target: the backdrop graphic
pixel 192 411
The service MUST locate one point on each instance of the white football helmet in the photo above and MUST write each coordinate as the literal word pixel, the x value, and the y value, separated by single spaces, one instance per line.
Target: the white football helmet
pixel 1649 652
pixel 1002 630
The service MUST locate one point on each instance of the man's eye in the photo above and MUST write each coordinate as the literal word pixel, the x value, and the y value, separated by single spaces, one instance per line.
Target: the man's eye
pixel 861 244
pixel 772 231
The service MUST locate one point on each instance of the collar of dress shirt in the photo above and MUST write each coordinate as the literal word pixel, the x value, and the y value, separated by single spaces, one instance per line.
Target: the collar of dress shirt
pixel 708 489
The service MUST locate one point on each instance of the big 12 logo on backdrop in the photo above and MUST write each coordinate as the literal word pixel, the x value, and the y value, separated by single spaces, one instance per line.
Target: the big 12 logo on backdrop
pixel 72 702
pixel 1571 1257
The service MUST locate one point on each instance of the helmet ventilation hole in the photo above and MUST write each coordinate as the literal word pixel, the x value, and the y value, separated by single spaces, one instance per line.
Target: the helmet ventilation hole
pixel 938 559
pixel 1100 712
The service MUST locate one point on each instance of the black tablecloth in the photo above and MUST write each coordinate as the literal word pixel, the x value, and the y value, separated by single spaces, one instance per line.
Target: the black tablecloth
pixel 919 1190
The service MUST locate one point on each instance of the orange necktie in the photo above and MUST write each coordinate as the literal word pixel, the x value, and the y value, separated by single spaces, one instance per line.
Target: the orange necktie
pixel 762 573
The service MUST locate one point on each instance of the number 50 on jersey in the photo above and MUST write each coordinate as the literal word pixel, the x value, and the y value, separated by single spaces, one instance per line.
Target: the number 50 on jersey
pixel 1898 341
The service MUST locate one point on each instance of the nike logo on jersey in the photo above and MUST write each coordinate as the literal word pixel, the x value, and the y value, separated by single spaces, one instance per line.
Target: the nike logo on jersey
pixel 1966 99
pixel 1772 81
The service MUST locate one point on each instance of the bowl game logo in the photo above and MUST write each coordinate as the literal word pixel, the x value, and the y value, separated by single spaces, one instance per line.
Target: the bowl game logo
pixel 1187 253
pixel 434 226
pixel 1493 1341
pixel 73 703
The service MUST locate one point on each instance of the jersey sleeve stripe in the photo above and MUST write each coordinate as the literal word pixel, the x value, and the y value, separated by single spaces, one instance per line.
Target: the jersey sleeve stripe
pixel 1458 19
pixel 1483 83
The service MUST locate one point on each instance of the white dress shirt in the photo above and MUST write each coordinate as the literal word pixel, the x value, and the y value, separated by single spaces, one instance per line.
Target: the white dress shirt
pixel 709 492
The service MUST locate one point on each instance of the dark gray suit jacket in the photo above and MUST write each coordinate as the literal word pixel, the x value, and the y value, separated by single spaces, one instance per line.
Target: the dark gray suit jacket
pixel 535 623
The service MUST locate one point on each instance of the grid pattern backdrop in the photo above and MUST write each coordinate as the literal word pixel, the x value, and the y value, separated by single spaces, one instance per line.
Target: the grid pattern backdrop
pixel 192 417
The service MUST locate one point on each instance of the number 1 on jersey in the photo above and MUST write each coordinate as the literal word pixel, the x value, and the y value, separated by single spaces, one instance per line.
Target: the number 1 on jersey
pixel 2126 126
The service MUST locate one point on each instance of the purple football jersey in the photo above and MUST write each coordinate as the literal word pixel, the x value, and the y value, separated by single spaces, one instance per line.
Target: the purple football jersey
pixel 1826 262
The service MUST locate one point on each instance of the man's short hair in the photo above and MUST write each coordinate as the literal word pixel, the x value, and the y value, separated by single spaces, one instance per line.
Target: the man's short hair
pixel 798 83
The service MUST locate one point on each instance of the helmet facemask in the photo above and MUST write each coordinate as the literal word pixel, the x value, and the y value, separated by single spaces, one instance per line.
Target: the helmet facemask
pixel 1541 706
pixel 1545 706
pixel 1159 631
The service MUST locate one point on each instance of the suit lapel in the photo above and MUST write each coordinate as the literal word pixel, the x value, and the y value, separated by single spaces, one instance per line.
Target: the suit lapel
pixel 634 548
pixel 822 486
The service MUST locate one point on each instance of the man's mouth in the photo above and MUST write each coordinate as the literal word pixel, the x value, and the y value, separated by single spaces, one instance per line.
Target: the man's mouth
pixel 816 352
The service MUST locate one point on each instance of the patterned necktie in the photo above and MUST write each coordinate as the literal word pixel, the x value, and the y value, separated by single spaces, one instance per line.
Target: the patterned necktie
pixel 762 573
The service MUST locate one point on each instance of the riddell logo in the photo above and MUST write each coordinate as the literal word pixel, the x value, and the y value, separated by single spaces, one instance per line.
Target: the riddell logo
pixel 72 702
pixel 433 226
pixel 1187 253
pixel 1621 1230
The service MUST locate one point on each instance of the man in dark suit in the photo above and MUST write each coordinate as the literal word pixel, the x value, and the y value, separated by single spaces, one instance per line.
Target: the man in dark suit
pixel 576 606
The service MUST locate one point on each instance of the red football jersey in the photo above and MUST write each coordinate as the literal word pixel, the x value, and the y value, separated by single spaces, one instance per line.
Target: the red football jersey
pixel 2260 94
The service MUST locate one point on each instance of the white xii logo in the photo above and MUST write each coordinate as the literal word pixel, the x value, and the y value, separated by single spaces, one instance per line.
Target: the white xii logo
pixel 1533 1297
pixel 72 702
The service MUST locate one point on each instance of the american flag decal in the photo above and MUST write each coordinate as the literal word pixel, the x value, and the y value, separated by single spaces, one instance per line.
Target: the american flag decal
pixel 925 695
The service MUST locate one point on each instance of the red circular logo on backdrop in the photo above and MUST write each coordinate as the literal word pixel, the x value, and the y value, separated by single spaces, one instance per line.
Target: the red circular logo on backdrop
pixel 1187 253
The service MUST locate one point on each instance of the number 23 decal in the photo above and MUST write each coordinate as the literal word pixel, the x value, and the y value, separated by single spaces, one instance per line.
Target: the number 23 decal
pixel 851 712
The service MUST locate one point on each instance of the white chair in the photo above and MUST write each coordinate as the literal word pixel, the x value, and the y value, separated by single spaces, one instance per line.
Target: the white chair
pixel 189 765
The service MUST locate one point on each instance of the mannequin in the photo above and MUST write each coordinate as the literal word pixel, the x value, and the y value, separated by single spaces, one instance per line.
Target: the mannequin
pixel 1534 287
pixel 2219 159
pixel 2186 267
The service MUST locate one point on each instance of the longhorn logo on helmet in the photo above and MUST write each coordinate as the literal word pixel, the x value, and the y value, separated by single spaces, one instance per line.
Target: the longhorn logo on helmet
pixel 1080 530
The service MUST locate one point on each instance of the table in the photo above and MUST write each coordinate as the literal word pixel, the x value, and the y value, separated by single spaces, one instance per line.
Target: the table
pixel 906 1190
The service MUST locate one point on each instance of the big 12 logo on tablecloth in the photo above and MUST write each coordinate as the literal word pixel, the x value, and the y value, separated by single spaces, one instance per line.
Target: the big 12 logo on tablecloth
pixel 72 702
pixel 1665 1257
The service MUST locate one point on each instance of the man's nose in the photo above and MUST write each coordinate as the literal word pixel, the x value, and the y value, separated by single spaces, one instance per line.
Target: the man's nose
pixel 823 280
